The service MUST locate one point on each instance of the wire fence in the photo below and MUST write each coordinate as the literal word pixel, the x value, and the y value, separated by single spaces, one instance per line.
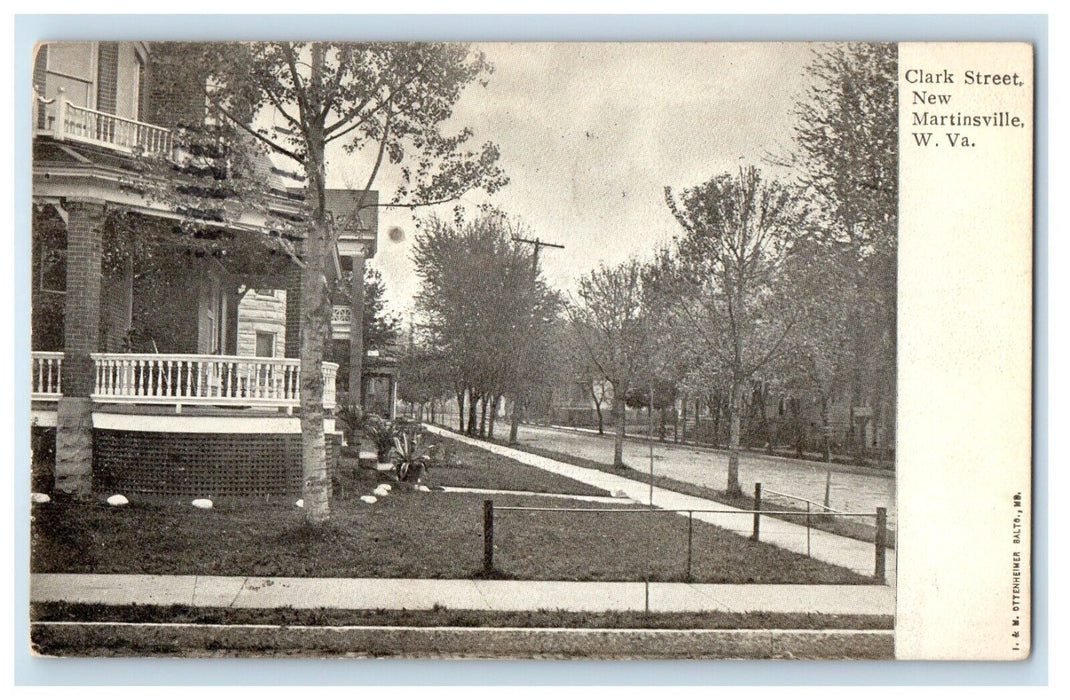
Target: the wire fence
pixel 879 516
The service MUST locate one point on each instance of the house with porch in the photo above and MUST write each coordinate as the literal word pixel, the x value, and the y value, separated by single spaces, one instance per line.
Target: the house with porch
pixel 164 357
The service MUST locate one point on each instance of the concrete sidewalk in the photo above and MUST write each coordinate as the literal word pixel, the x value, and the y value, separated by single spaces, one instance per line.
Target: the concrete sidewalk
pixel 824 546
pixel 424 594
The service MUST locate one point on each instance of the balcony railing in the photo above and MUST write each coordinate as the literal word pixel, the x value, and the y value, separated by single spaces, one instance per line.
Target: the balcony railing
pixel 212 380
pixel 46 376
pixel 75 123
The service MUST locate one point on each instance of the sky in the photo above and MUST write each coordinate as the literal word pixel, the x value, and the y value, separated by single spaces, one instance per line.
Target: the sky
pixel 590 135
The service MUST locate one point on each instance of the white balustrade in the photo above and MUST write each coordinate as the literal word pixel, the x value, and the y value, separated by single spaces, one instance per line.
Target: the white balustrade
pixel 330 388
pixel 46 379
pixel 127 135
pixel 215 380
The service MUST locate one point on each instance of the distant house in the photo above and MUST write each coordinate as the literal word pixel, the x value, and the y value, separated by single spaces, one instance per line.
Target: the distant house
pixel 173 372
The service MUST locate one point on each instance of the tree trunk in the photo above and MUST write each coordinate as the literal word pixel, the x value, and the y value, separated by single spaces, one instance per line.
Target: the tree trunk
pixel 618 416
pixel 716 412
pixel 826 429
pixel 483 416
pixel 766 424
pixel 314 319
pixel 598 408
pixel 493 414
pixel 460 411
pixel 683 410
pixel 734 408
pixel 473 413
pixel 514 422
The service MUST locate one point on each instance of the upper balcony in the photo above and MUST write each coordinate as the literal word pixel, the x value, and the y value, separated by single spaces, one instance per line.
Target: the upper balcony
pixel 66 121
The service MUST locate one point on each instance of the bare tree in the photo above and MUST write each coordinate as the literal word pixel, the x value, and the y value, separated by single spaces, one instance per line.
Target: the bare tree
pixel 739 231
pixel 390 98
pixel 609 321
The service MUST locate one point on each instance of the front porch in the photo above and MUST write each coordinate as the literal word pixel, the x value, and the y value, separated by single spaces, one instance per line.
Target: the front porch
pixel 157 364
pixel 185 380
pixel 189 425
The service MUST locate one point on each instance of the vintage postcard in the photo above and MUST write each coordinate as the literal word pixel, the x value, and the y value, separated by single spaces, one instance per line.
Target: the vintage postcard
pixel 552 350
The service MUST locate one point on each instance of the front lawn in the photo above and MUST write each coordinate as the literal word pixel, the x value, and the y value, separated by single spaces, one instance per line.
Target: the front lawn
pixel 845 527
pixel 409 534
pixel 474 467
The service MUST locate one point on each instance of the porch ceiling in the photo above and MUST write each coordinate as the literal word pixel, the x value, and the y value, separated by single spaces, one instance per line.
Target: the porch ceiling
pixel 64 170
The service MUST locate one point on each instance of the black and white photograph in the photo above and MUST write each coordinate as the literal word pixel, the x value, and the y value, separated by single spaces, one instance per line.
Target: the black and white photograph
pixel 492 350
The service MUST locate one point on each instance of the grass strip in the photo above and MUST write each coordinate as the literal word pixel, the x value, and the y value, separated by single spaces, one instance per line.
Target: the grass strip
pixel 443 617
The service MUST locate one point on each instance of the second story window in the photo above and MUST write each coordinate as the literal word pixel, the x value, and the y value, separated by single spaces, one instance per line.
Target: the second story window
pixel 71 66
pixel 107 76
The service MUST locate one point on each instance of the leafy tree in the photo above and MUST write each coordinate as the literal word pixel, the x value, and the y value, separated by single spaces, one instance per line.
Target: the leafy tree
pixel 423 377
pixel 480 300
pixel 392 99
pixel 846 154
pixel 609 321
pixel 739 232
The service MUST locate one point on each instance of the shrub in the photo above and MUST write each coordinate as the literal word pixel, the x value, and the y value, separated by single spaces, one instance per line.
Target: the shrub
pixel 411 458
pixel 351 415
pixel 381 432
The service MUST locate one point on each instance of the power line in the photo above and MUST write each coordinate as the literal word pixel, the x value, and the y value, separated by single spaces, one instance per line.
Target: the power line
pixel 538 243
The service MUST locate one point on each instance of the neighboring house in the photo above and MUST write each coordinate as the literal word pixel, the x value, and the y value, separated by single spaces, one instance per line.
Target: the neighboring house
pixel 787 418
pixel 174 372
pixel 262 323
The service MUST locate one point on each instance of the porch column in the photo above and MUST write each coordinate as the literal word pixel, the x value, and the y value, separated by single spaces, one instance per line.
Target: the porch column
pixel 394 396
pixel 356 332
pixel 81 324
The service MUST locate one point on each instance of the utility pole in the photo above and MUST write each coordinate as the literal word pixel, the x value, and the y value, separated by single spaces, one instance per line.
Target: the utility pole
pixel 538 244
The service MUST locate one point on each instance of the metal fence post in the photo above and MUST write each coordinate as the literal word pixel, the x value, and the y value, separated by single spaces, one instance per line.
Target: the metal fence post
pixel 757 508
pixel 488 537
pixel 880 542
pixel 808 528
pixel 690 515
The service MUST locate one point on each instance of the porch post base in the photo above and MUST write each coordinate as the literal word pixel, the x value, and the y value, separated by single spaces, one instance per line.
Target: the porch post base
pixel 74 446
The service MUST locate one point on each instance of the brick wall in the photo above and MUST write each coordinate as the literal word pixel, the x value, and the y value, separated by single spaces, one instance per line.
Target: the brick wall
pixel 81 321
pixel 176 88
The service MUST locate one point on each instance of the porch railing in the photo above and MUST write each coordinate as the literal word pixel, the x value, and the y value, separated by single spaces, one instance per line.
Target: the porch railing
pixel 215 380
pixel 108 130
pixel 330 386
pixel 46 379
